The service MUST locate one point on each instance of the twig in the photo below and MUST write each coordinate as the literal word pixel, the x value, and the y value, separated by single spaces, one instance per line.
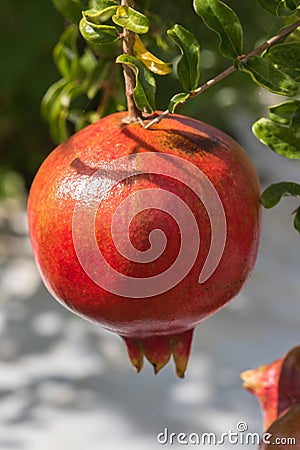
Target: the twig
pixel 134 114
pixel 269 43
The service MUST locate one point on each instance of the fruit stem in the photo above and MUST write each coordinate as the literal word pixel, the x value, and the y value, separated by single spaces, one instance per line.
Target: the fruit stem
pixel 267 44
pixel 134 114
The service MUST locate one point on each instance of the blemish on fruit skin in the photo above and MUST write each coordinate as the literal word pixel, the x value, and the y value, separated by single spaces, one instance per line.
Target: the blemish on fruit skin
pixel 187 142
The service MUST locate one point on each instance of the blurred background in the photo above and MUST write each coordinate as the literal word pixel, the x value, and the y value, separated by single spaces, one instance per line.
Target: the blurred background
pixel 65 384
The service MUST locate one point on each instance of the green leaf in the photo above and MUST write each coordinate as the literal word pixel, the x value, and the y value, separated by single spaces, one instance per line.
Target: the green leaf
pixel 65 53
pixel 188 68
pixel 87 60
pixel 77 118
pixel 279 138
pixel 286 113
pixel 292 4
pixel 265 74
pixel 96 78
pixel 273 194
pixel 98 34
pixel 176 100
pixel 286 55
pixel 51 96
pixel 98 17
pixel 71 9
pixel 269 5
pixel 281 8
pixel 60 110
pixel 55 106
pixel 295 122
pixel 131 19
pixel 59 128
pixel 101 4
pixel 223 20
pixel 69 92
pixel 294 35
pixel 144 92
pixel 286 8
pixel 297 220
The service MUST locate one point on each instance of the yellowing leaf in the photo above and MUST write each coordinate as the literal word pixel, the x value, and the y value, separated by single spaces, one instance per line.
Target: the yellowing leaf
pixel 131 19
pixel 152 63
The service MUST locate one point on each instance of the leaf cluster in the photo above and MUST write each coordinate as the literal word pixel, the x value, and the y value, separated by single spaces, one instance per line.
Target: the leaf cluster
pixel 101 25
pixel 87 71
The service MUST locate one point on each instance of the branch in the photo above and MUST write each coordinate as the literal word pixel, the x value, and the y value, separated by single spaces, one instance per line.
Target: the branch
pixel 269 43
pixel 134 114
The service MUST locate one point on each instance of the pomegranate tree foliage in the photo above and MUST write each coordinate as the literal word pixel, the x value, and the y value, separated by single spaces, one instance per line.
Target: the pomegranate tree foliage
pixel 89 58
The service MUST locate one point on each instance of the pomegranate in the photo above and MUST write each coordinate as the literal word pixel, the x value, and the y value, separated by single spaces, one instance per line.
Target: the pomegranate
pixel 276 385
pixel 284 433
pixel 135 264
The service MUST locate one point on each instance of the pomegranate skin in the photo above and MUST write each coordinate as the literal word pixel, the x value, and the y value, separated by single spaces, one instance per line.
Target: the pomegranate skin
pixel 284 432
pixel 53 198
pixel 276 385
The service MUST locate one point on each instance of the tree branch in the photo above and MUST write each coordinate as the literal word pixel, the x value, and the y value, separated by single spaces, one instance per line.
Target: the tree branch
pixel 269 43
pixel 134 114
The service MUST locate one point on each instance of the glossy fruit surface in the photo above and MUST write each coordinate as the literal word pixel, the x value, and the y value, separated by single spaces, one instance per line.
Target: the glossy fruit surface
pixel 161 324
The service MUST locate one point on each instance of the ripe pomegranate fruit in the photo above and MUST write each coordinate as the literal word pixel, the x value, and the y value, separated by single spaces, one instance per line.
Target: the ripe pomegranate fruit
pixel 158 320
pixel 276 385
pixel 284 433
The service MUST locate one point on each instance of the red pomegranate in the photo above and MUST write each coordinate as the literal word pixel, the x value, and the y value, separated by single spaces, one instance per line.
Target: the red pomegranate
pixel 284 433
pixel 146 231
pixel 276 385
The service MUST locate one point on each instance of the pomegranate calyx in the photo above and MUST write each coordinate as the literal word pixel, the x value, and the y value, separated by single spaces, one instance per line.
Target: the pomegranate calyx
pixel 158 350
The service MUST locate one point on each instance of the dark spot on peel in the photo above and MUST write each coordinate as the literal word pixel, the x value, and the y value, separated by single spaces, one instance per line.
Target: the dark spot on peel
pixel 188 142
